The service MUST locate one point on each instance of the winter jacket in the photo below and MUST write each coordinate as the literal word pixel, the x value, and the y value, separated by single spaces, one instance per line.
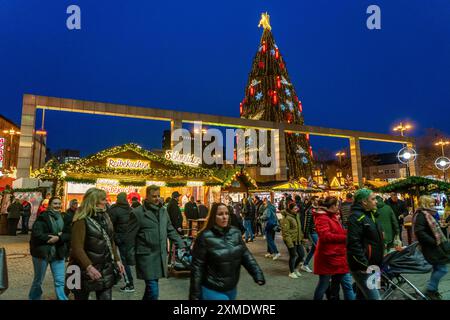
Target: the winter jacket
pixel 269 216
pixel 146 242
pixel 14 210
pixel 26 212
pixel 399 208
pixel 174 212
pixel 433 253
pixel 42 229
pixel 235 220
pixel 120 215
pixel 346 210
pixel 191 210
pixel 89 247
pixel 389 223
pixel 202 211
pixel 331 255
pixel 217 257
pixel 291 229
pixel 249 211
pixel 308 226
pixel 68 219
pixel 365 244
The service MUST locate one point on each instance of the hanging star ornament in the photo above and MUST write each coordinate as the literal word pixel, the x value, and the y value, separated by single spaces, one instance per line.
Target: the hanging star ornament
pixel 300 150
pixel 288 92
pixel 255 82
pixel 284 81
pixel 272 52
pixel 259 95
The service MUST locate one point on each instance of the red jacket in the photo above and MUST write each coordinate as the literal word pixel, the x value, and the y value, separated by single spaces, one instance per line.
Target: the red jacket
pixel 330 256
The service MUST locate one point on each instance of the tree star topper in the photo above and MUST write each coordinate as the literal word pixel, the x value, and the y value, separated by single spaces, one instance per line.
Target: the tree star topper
pixel 265 21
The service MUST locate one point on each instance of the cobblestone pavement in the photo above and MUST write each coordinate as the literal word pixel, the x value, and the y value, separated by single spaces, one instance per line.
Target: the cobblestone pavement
pixel 278 286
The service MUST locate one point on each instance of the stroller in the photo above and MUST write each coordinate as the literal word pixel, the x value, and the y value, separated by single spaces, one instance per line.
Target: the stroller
pixel 408 261
pixel 183 258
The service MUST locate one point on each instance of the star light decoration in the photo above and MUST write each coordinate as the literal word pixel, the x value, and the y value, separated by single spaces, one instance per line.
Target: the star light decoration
pixel 255 82
pixel 284 81
pixel 288 92
pixel 259 96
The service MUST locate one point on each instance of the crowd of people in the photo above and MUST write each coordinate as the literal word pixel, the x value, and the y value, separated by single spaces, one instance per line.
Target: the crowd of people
pixel 343 238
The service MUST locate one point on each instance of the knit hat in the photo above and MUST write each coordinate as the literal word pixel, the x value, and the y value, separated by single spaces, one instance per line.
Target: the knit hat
pixel 362 194
pixel 122 198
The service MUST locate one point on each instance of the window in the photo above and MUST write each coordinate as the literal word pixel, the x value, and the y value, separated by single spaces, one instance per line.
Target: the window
pixel 393 171
pixel 386 171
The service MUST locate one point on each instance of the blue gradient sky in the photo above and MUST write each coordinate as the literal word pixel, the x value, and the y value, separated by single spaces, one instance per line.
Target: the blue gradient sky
pixel 196 55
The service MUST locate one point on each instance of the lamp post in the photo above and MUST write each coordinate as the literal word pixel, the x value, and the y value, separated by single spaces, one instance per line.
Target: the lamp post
pixel 11 133
pixel 402 128
pixel 442 162
pixel 340 154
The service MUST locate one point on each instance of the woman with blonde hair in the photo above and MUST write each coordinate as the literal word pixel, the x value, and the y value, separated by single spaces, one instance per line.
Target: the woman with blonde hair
pixel 93 247
pixel 435 246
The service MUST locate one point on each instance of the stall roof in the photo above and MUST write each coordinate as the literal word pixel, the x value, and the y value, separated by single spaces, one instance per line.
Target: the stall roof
pixel 416 186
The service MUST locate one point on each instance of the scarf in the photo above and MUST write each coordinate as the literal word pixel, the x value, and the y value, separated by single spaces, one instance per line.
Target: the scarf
pixel 433 224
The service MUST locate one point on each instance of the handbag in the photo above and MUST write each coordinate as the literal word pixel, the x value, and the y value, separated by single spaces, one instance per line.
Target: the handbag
pixel 3 271
pixel 116 270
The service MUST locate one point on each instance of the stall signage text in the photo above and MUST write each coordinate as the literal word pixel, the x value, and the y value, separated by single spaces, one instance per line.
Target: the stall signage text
pixel 119 163
pixel 187 159
pixel 2 150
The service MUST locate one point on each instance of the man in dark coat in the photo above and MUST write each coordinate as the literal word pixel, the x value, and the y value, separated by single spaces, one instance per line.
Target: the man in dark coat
pixel 365 247
pixel 147 232
pixel 120 215
pixel 202 210
pixel 26 214
pixel 399 208
pixel 68 218
pixel 175 213
pixel 14 212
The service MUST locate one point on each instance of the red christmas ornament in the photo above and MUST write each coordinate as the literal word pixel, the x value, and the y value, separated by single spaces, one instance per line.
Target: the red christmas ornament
pixel 264 47
pixel 240 108
pixel 289 117
pixel 252 91
pixel 307 137
pixel 300 107
pixel 261 65
pixel 274 97
pixel 277 53
pixel 278 82
pixel 281 65
pixel 296 98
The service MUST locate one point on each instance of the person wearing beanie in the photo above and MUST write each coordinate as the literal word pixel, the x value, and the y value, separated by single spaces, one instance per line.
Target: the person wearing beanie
pixel 389 223
pixel 365 246
pixel 120 215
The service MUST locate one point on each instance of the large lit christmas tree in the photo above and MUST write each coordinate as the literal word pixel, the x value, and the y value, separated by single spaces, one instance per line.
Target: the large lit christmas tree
pixel 271 96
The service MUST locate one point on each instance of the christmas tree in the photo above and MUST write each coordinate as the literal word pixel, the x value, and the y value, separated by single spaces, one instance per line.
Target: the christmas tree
pixel 270 95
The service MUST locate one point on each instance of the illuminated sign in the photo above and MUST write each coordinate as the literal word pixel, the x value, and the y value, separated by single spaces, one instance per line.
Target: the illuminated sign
pixel 187 159
pixel 2 150
pixel 118 163
pixel 155 183
pixel 112 186
pixel 194 183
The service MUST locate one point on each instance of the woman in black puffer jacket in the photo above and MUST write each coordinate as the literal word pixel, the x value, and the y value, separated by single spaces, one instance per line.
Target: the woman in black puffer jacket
pixel 218 254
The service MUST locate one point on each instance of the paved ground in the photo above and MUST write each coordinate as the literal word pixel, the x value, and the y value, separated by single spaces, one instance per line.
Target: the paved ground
pixel 278 287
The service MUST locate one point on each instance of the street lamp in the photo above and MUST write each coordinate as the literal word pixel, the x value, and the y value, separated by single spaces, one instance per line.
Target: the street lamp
pixel 442 163
pixel 405 153
pixel 340 154
pixel 11 133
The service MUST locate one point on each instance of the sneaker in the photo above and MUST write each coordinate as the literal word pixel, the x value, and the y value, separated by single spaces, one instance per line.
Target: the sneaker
pixel 268 255
pixel 127 288
pixel 264 237
pixel 305 268
pixel 276 256
pixel 293 275
pixel 298 273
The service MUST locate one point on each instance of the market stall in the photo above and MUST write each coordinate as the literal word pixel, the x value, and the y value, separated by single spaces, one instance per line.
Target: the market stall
pixel 236 184
pixel 128 168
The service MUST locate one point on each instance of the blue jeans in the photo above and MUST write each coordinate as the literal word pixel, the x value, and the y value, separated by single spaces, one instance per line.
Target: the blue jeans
pixel 208 294
pixel 129 275
pixel 314 238
pixel 336 280
pixel 58 271
pixel 439 271
pixel 360 278
pixel 248 230
pixel 270 238
pixel 151 290
pixel 25 223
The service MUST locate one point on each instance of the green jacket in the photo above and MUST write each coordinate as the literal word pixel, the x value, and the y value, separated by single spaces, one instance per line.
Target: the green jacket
pixel 291 230
pixel 14 210
pixel 388 222
pixel 146 241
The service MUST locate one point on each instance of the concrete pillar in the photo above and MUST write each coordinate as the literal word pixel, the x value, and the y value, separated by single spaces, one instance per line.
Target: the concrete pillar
pixel 174 125
pixel 413 168
pixel 355 156
pixel 280 155
pixel 26 136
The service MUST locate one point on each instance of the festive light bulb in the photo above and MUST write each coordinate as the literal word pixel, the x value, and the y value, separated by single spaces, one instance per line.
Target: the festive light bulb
pixel 277 53
pixel 278 82
pixel 442 163
pixel 407 155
